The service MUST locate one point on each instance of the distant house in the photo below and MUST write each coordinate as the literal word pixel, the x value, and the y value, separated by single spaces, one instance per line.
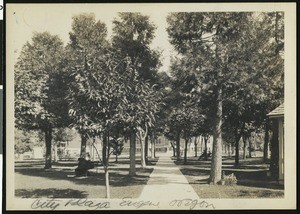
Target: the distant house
pixel 277 143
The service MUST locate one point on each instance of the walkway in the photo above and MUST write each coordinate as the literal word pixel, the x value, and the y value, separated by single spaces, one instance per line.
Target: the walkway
pixel 167 183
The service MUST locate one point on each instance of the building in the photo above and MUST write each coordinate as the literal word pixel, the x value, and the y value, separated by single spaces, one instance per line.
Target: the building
pixel 277 143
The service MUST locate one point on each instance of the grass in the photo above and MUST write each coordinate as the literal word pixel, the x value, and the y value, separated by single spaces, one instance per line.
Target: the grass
pixel 32 181
pixel 251 175
pixel 235 191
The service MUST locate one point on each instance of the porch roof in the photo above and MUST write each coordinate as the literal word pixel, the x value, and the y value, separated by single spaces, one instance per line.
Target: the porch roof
pixel 277 112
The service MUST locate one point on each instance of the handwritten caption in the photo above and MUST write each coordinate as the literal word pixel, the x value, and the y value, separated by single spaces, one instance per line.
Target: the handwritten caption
pixel 84 203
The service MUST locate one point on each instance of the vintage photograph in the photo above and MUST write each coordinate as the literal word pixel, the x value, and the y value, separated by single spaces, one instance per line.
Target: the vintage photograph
pixel 150 106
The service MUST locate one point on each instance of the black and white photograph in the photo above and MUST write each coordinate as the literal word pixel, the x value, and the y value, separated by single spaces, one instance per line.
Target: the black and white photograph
pixel 186 106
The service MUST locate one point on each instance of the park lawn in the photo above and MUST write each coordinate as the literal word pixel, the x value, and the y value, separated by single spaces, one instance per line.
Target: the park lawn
pixel 251 176
pixel 32 181
pixel 234 191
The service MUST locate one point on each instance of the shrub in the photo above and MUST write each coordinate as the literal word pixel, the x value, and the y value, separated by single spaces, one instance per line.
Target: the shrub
pixel 229 179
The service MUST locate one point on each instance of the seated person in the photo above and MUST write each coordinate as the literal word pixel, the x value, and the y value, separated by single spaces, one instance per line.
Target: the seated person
pixel 83 167
pixel 202 155
pixel 209 153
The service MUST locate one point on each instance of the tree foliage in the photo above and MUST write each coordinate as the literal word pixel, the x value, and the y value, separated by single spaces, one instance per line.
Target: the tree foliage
pixel 132 36
pixel 35 73
pixel 234 60
pixel 39 87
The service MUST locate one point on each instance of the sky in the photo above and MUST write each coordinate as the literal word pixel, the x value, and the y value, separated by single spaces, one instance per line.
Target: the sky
pixel 57 20
pixel 23 19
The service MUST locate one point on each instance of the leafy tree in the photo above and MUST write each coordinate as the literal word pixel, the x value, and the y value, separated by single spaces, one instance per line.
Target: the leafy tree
pixel 97 87
pixel 224 51
pixel 96 100
pixel 132 36
pixel 263 67
pixel 63 135
pixel 87 43
pixel 60 135
pixel 40 88
pixel 142 103
pixel 117 146
pixel 25 141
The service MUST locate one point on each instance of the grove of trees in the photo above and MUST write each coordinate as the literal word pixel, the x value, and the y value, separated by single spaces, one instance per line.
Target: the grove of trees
pixel 226 75
pixel 237 62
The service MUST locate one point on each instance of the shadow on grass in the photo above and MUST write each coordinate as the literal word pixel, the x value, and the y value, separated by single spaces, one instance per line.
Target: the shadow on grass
pixel 250 163
pixel 50 193
pixel 117 178
pixel 245 178
pixel 260 193
pixel 117 173
pixel 126 161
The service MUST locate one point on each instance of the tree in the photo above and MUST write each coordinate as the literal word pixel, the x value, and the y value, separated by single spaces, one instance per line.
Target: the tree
pixel 205 41
pixel 224 50
pixel 263 67
pixel 98 85
pixel 25 141
pixel 132 36
pixel 143 103
pixel 117 146
pixel 61 135
pixel 40 88
pixel 97 98
pixel 87 43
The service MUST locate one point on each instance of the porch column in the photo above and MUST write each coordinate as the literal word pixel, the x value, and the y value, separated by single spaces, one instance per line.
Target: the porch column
pixel 281 149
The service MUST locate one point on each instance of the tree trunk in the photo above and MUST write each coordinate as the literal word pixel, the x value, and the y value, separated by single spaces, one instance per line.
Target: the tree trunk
pixel 244 147
pixel 205 148
pixel 83 145
pixel 142 136
pixel 93 149
pixel 55 156
pixel 266 141
pixel 107 182
pixel 216 164
pixel 250 147
pixel 143 161
pixel 237 152
pixel 152 147
pixel 185 150
pixel 178 146
pixel 195 144
pixel 48 139
pixel 237 144
pixel 132 170
pixel 201 144
pixel 146 149
pixel 174 150
pixel 229 150
pixel 104 150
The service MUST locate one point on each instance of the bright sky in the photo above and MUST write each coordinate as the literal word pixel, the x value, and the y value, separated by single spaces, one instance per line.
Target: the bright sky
pixel 23 19
pixel 57 20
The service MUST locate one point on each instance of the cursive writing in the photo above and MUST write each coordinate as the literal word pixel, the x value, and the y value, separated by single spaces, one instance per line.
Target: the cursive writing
pixel 138 204
pixel 84 202
pixel 45 204
pixel 191 203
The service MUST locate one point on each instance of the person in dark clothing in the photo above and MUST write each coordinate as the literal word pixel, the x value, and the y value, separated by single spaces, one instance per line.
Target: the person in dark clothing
pixel 202 156
pixel 83 167
pixel 209 153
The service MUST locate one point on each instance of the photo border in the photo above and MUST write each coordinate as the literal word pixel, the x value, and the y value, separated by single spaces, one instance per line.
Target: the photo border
pixel 290 112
